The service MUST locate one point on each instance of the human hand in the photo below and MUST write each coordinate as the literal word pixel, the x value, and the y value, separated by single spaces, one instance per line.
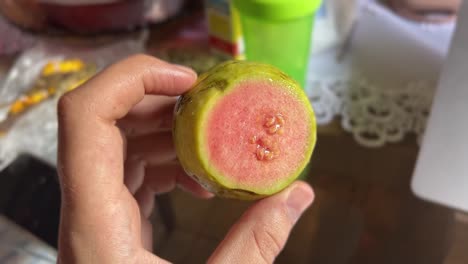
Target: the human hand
pixel 116 153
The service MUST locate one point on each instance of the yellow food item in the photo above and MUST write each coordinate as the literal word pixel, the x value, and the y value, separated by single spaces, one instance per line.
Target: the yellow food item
pixel 56 77
pixel 38 97
pixel 66 66
pixel 51 90
pixel 76 84
pixel 16 107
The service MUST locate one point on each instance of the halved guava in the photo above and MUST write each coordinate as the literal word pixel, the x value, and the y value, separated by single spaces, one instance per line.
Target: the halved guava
pixel 245 130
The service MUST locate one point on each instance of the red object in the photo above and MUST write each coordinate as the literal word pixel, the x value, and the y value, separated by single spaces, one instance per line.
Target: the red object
pixel 224 45
pixel 89 18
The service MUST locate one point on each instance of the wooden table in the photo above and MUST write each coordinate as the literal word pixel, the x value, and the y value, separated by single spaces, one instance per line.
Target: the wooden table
pixel 367 210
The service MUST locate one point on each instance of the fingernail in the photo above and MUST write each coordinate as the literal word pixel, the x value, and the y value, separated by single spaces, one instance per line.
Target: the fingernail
pixel 298 200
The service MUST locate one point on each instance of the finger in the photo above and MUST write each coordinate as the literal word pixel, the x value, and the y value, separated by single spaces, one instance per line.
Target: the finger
pixel 154 149
pixel 145 199
pixel 165 178
pixel 152 114
pixel 147 234
pixel 261 233
pixel 146 257
pixel 90 145
pixel 134 174
pixel 189 185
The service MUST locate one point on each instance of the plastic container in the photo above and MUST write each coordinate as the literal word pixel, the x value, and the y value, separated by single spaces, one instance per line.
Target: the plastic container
pixel 279 32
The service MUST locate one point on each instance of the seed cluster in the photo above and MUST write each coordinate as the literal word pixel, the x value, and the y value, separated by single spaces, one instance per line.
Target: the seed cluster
pixel 274 124
pixel 266 147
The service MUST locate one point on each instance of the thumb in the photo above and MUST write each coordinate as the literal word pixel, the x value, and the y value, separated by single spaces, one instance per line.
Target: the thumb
pixel 261 233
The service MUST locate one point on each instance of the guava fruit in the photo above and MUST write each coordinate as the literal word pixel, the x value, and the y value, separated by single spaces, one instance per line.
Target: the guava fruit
pixel 245 130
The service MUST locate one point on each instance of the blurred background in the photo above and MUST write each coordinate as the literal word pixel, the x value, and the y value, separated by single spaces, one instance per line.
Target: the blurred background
pixel 369 67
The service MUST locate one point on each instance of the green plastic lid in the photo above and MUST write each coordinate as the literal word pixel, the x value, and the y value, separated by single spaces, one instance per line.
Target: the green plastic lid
pixel 277 9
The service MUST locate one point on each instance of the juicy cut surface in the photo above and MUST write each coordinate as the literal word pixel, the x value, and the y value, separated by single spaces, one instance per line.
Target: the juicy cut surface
pixel 258 135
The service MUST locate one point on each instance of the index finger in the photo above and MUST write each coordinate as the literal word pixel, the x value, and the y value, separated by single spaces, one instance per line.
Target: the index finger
pixel 90 153
pixel 112 93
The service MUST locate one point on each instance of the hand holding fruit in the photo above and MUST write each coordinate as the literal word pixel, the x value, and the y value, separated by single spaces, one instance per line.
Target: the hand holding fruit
pixel 116 153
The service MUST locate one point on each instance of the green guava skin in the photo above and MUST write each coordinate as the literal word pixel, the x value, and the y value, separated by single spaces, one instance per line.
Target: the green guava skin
pixel 194 104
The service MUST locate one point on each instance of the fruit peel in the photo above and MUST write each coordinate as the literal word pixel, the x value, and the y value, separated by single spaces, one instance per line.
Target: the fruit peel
pixel 193 107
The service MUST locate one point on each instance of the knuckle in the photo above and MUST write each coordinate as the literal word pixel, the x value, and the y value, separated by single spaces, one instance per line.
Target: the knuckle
pixel 65 104
pixel 268 243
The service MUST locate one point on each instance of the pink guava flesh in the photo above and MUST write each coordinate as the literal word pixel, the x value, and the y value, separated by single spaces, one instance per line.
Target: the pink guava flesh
pixel 257 135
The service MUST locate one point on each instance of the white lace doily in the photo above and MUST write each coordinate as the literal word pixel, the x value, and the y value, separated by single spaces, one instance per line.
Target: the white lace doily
pixel 373 116
pixel 383 88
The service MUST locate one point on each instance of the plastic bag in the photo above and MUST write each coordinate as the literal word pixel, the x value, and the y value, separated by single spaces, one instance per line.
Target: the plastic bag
pixel 35 131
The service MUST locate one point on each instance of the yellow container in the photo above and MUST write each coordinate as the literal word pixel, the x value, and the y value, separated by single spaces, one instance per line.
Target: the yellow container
pixel 225 34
